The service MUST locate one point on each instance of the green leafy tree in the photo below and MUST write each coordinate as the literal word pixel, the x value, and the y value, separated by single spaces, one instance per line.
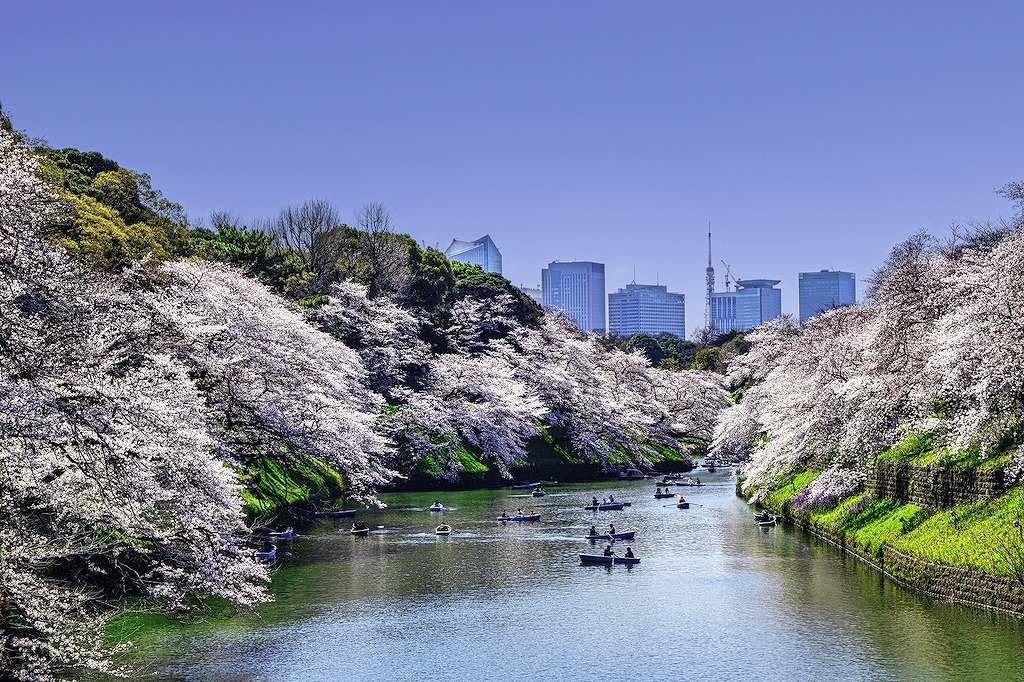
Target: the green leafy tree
pixel 117 216
pixel 249 248
pixel 432 280
pixel 708 359
pixel 649 345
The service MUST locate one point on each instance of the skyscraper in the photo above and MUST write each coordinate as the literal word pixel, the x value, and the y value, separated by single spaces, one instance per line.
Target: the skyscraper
pixel 577 288
pixel 648 309
pixel 480 252
pixel 723 311
pixel 757 302
pixel 824 290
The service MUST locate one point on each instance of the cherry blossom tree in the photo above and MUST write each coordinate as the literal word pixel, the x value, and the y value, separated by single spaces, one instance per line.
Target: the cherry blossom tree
pixel 936 351
pixel 108 489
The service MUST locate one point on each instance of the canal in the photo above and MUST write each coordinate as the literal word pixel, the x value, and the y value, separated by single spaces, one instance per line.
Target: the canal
pixel 714 597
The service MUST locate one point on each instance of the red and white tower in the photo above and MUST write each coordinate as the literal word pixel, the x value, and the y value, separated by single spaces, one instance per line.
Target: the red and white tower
pixel 710 284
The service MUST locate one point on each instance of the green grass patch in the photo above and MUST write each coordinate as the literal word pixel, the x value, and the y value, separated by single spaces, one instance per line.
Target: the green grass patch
pixel 272 484
pixel 979 535
pixel 915 448
pixel 923 449
pixel 788 488
pixel 469 462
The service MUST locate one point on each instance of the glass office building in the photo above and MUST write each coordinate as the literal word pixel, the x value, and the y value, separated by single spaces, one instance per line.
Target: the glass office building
pixel 723 311
pixel 824 290
pixel 757 302
pixel 480 252
pixel 646 309
pixel 576 288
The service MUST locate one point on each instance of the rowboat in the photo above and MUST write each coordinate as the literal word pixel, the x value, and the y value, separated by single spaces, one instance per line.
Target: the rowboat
pixel 443 529
pixel 602 559
pixel 436 507
pixel 662 496
pixel 539 493
pixel 613 536
pixel 683 505
pixel 360 531
pixel 631 475
pixel 520 517
pixel 771 521
pixel 690 484
pixel 282 534
pixel 267 554
pixel 335 514
pixel 605 506
pixel 526 486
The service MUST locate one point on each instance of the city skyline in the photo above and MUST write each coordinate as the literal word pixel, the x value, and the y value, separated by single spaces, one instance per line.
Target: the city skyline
pixel 810 137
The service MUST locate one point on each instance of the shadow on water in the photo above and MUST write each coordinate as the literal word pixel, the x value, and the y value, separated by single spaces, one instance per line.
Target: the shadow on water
pixel 714 597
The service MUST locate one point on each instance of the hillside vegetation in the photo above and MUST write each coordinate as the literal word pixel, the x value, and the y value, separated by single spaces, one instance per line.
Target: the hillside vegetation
pixel 159 379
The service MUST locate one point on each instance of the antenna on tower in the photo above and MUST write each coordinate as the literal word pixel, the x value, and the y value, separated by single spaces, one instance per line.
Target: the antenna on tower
pixel 710 280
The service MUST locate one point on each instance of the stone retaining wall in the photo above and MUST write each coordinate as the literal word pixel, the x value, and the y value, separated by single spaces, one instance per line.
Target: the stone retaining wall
pixel 933 486
pixel 953 584
pixel 947 583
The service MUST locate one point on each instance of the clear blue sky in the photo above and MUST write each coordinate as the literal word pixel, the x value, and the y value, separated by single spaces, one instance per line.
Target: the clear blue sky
pixel 810 134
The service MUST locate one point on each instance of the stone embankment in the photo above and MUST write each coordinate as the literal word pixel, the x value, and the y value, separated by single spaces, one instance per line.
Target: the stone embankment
pixel 937 487
pixel 933 486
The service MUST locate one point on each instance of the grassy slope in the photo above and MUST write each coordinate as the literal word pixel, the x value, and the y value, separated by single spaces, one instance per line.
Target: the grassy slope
pixel 979 535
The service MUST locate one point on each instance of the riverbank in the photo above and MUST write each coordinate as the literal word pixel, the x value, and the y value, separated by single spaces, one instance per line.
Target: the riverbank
pixel 949 541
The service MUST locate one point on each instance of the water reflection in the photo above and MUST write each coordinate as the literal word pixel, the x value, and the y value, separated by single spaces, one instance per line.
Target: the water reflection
pixel 714 597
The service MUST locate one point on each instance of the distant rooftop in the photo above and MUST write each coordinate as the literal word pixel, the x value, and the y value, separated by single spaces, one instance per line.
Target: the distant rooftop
pixel 757 283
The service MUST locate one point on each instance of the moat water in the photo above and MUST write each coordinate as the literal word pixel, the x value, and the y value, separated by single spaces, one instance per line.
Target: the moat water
pixel 714 597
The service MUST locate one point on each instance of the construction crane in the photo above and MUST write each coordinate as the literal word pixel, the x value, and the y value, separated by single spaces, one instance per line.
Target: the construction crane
pixel 728 275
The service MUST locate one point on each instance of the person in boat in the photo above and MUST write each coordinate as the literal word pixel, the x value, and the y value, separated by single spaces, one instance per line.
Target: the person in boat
pixel 608 550
pixel 611 498
pixel 437 503
pixel 698 481
pixel 682 499
pixel 658 491
pixel 611 529
pixel 504 513
pixel 594 501
pixel 593 531
pixel 629 552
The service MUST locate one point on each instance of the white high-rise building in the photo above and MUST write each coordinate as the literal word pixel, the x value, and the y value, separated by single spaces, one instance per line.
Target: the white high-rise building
pixel 576 288
pixel 646 309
